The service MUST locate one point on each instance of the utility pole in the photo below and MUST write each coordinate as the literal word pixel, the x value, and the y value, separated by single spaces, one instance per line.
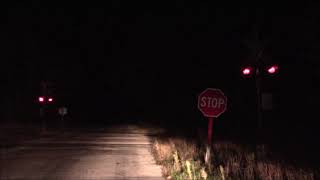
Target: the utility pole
pixel 43 106
pixel 258 77
pixel 256 68
pixel 45 99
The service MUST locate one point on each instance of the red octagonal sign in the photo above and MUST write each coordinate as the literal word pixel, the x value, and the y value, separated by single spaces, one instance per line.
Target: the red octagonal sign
pixel 212 102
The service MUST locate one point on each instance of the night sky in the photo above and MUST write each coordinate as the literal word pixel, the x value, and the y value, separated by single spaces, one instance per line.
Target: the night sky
pixel 150 61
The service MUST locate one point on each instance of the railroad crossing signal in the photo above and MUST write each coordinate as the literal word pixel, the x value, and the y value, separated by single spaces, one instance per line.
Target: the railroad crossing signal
pixel 248 71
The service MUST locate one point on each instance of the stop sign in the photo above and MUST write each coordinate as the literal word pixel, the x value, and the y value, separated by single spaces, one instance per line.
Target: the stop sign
pixel 212 102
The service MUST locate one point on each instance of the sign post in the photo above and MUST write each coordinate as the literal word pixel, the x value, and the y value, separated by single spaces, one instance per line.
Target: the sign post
pixel 210 122
pixel 212 103
pixel 62 112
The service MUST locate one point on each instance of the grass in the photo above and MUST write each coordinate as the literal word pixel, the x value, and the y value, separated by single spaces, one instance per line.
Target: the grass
pixel 183 158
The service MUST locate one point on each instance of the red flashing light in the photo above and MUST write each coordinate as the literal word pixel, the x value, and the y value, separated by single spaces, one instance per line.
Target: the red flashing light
pixel 247 71
pixel 41 99
pixel 50 99
pixel 273 69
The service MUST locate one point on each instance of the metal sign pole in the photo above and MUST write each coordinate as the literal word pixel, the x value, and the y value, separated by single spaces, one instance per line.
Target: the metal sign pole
pixel 210 122
pixel 212 103
pixel 43 121
pixel 62 112
pixel 208 148
pixel 62 123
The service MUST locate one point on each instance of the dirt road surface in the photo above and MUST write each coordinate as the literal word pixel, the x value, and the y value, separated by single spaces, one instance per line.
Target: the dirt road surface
pixel 118 152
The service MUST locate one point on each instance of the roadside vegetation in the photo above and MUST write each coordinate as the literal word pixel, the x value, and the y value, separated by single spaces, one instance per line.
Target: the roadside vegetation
pixel 183 159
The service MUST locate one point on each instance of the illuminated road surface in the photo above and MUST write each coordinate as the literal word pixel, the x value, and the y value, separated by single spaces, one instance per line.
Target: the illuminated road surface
pixel 114 153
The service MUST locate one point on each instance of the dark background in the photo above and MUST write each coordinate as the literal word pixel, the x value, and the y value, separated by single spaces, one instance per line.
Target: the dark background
pixel 148 62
